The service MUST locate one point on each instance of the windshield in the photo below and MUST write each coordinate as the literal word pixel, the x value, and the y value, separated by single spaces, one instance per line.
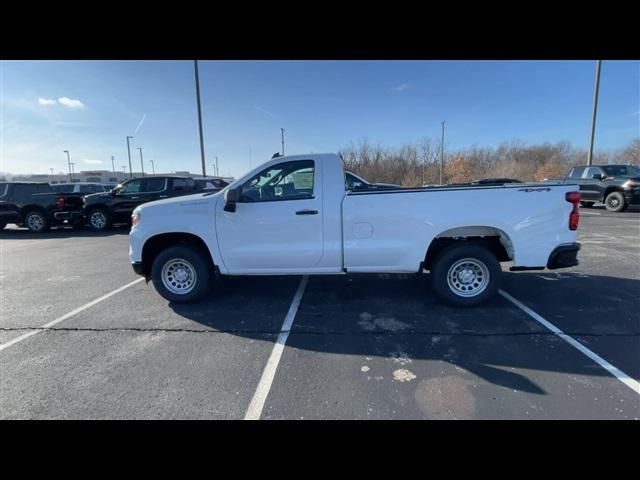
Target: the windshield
pixel 618 170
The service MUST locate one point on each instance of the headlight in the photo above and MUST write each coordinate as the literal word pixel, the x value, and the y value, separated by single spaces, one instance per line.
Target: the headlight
pixel 135 218
pixel 630 184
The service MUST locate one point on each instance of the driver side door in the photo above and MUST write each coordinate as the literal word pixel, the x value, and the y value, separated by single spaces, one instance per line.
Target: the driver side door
pixel 277 224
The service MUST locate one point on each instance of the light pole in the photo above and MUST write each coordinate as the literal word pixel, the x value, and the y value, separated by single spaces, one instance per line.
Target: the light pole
pixel 129 153
pixel 282 132
pixel 72 172
pixel 69 164
pixel 113 168
pixel 595 109
pixel 141 165
pixel 204 171
pixel 124 171
pixel 217 171
pixel 51 170
pixel 442 153
pixel 153 168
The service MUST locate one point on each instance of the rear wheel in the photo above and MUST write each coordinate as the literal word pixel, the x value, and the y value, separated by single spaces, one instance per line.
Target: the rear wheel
pixel 466 275
pixel 99 219
pixel 181 274
pixel 615 202
pixel 36 222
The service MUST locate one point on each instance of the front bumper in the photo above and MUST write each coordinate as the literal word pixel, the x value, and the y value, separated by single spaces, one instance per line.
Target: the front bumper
pixel 632 197
pixel 564 256
pixel 138 268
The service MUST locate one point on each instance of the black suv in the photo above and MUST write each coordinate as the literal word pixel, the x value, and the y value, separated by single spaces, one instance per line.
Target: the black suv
pixel 101 210
pixel 617 186
pixel 37 206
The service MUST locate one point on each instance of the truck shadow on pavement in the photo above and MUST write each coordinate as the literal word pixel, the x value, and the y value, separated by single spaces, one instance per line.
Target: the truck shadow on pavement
pixel 399 319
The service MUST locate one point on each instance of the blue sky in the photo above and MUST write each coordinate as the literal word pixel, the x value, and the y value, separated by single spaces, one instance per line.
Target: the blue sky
pixel 88 108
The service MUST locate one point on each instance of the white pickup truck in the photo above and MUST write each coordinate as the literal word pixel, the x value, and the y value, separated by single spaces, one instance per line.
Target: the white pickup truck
pixel 293 215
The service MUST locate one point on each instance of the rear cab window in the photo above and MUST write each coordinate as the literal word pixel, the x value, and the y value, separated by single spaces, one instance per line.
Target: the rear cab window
pixel 182 184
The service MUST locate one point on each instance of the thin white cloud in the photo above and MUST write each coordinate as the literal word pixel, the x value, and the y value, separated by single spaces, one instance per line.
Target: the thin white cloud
pixel 46 101
pixel 260 109
pixel 400 88
pixel 140 124
pixel 93 162
pixel 70 102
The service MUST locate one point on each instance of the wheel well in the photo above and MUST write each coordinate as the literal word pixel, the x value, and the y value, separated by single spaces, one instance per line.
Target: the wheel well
pixel 156 244
pixel 609 190
pixel 32 208
pixel 493 239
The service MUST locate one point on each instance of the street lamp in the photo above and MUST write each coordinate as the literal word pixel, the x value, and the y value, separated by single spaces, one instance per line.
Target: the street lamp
pixel 129 153
pixel 113 168
pixel 72 172
pixel 153 168
pixel 595 110
pixel 195 64
pixel 51 170
pixel 282 131
pixel 442 153
pixel 69 164
pixel 141 164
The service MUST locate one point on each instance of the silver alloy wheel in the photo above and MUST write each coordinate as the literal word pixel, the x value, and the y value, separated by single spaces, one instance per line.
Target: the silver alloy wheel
pixel 35 222
pixel 468 277
pixel 98 219
pixel 179 276
pixel 613 201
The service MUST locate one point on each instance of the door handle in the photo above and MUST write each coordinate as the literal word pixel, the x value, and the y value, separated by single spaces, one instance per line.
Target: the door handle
pixel 307 212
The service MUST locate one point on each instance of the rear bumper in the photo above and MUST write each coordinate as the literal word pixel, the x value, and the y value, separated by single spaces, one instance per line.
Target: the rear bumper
pixel 564 256
pixel 71 215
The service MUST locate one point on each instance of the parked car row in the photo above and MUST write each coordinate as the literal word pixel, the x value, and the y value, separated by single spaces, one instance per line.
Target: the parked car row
pixel 38 206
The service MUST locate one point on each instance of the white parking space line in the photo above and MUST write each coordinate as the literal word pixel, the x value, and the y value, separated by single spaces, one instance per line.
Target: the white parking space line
pixel 68 315
pixel 619 374
pixel 260 396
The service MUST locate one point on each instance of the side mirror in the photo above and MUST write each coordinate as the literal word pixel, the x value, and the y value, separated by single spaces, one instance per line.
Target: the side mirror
pixel 598 176
pixel 231 197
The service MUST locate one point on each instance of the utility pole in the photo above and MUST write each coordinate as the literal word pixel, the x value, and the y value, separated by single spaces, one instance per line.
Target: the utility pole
pixel 204 170
pixel 113 168
pixel 442 153
pixel 595 109
pixel 282 129
pixel 141 164
pixel 153 168
pixel 129 153
pixel 69 164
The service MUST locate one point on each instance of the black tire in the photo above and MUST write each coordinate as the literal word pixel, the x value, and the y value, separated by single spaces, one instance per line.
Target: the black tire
pixel 587 204
pixel 188 259
pixel 99 219
pixel 36 221
pixel 615 202
pixel 481 268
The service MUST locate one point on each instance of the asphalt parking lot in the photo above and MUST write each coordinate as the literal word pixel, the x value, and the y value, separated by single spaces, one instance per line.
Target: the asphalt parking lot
pixel 358 347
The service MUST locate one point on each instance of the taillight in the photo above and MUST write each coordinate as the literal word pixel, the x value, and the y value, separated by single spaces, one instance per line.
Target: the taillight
pixel 574 216
pixel 60 202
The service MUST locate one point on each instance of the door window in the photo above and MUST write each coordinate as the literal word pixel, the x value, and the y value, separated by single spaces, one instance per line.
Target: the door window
pixel 132 187
pixel 591 171
pixel 283 181
pixel 182 184
pixel 576 172
pixel 155 184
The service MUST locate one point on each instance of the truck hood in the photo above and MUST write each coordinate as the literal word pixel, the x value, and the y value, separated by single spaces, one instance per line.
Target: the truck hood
pixel 176 204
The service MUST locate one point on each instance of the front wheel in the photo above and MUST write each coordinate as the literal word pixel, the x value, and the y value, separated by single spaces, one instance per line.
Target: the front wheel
pixel 615 202
pixel 466 275
pixel 181 274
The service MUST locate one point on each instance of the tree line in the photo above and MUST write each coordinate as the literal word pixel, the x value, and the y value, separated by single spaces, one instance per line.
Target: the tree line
pixel 418 163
